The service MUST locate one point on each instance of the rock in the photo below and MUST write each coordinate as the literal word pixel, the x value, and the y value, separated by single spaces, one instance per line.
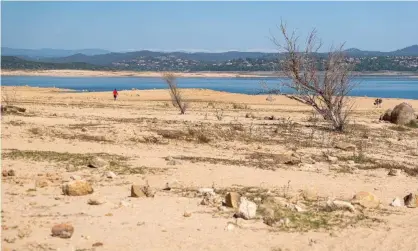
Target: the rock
pixel 397 203
pixel 110 175
pixel 402 114
pixel 77 188
pixel 124 203
pixel 411 200
pixel 340 205
pixel 230 226
pixel 232 199
pixel 97 244
pixel 95 201
pixel 387 115
pixel 142 191
pixel 136 191
pixel 84 129
pixel 310 194
pixel 247 209
pixel 332 159
pixel 345 146
pixel 97 162
pixel 4 173
pixel 299 209
pixel 394 172
pixel 41 183
pixel 210 199
pixel 75 177
pixel 11 172
pixel 366 199
pixel 187 214
pixel 62 230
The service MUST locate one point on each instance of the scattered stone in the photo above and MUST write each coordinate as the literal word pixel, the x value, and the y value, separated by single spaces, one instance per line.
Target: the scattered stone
pixel 62 230
pixel 11 172
pixel 41 183
pixel 75 177
pixel 230 226
pixel 77 188
pixel 109 214
pixel 366 199
pixel 345 146
pixel 111 175
pixel 124 203
pixel 187 214
pixel 340 205
pixel 97 244
pixel 310 195
pixel 142 191
pixel 210 199
pixel 397 203
pixel 247 209
pixel 411 200
pixel 232 199
pixel 136 191
pixel 402 114
pixel 97 162
pixel 95 201
pixel 394 172
pixel 299 209
pixel 332 159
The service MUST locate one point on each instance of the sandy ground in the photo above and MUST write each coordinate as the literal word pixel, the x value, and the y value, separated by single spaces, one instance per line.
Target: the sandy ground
pixel 214 144
pixel 86 73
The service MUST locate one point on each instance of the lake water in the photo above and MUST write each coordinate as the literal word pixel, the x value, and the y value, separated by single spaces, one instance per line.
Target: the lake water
pixel 383 87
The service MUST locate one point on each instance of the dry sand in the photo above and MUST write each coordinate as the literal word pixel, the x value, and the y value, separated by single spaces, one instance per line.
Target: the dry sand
pixel 213 144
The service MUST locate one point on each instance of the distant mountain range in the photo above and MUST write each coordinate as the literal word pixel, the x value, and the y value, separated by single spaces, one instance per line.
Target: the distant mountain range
pixel 103 57
pixel 405 59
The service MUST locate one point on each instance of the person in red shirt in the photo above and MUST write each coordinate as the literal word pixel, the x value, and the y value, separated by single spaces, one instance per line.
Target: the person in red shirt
pixel 115 94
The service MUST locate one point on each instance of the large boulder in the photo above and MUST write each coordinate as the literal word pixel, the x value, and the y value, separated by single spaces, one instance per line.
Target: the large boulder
pixel 77 188
pixel 402 114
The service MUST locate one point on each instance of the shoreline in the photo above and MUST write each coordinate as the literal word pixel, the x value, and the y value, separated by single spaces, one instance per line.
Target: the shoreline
pixel 187 90
pixel 89 73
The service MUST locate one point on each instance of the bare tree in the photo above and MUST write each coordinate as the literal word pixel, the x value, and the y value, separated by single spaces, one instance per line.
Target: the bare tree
pixel 326 92
pixel 175 93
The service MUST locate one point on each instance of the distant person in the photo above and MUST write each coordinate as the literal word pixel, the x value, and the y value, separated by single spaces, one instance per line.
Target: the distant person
pixel 115 94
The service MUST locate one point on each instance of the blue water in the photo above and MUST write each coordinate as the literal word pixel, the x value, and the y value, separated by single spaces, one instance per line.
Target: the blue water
pixel 384 87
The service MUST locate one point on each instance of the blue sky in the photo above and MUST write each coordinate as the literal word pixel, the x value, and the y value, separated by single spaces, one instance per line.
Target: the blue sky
pixel 204 26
